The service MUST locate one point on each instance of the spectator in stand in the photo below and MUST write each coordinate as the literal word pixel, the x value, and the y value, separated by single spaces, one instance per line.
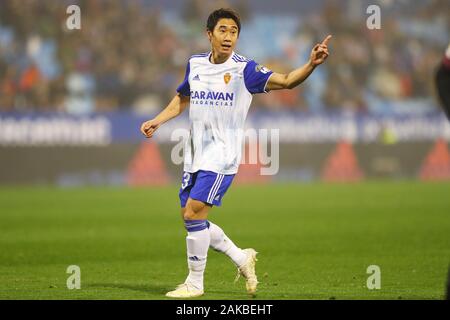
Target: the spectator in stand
pixel 128 54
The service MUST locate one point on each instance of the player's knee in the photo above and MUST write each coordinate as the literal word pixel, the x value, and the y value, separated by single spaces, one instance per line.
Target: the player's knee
pixel 194 220
pixel 195 210
pixel 190 214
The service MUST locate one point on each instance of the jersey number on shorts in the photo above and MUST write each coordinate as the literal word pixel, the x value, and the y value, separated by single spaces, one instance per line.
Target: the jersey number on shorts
pixel 185 182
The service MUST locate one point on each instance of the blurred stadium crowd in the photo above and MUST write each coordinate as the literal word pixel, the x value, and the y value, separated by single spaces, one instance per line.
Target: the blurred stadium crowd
pixel 131 55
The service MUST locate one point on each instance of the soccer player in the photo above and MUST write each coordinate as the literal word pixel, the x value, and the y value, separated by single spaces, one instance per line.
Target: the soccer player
pixel 218 87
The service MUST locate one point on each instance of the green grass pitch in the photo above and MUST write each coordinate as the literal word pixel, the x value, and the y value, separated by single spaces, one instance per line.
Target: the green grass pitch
pixel 315 241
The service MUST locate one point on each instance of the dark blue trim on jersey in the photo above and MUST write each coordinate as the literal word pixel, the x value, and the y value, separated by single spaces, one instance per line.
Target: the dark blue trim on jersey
pixel 254 80
pixel 184 88
pixel 200 55
pixel 238 58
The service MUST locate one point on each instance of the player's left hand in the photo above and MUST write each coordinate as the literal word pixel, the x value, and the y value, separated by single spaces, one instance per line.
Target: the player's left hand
pixel 320 52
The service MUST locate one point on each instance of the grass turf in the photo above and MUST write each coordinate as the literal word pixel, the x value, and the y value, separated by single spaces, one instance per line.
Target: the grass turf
pixel 315 241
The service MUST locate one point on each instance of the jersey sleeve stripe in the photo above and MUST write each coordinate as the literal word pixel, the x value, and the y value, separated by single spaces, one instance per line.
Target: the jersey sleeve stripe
pixel 242 58
pixel 237 59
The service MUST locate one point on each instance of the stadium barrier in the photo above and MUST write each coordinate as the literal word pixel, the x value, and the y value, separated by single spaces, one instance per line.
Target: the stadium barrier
pixel 108 149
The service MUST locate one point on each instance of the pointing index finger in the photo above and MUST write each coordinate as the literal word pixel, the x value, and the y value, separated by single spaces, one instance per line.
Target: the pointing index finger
pixel 325 42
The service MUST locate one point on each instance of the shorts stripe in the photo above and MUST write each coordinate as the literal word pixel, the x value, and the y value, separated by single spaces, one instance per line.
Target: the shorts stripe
pixel 217 188
pixel 213 186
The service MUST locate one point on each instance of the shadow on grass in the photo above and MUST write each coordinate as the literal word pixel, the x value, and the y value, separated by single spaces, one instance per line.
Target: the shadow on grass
pixel 146 288
pixel 224 294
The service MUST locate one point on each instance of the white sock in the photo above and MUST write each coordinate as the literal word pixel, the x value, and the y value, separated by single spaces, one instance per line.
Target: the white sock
pixel 197 243
pixel 220 242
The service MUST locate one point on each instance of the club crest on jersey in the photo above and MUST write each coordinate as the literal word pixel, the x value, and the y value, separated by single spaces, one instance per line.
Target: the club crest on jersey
pixel 227 77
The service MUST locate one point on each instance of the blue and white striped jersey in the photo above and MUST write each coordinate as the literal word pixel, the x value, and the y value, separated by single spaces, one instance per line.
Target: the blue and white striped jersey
pixel 220 96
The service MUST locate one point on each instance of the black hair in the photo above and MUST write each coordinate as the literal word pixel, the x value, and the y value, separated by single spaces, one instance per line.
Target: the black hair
pixel 222 13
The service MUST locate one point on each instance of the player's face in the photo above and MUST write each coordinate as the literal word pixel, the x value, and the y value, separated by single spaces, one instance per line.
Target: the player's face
pixel 224 36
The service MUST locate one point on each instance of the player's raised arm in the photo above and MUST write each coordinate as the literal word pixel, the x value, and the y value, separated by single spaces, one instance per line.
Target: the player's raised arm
pixel 173 109
pixel 318 55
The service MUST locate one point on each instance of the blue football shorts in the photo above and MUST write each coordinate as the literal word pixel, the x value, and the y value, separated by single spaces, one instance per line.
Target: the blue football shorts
pixel 205 186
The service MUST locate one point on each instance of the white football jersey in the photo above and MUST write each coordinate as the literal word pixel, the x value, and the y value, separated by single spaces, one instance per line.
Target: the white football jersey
pixel 220 96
